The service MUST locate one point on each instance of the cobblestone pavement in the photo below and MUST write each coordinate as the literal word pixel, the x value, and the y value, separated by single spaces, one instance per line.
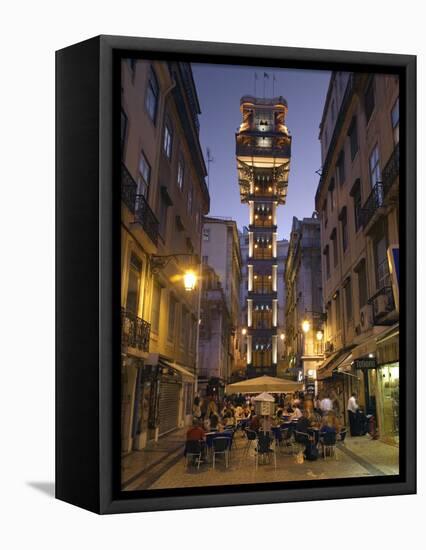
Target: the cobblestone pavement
pixel 358 457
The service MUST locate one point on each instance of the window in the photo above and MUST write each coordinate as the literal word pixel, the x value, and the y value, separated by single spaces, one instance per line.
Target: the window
pixel 333 110
pixel 168 140
pixel 190 198
pixel 172 317
pixel 332 195
pixel 348 299
pixel 123 132
pixel 152 94
pixel 184 328
pixel 353 138
pixel 163 217
pixel 369 99
pixel 144 176
pixel 181 172
pixel 333 237
pixel 327 261
pixel 395 121
pixel 340 167
pixel 155 309
pixel 375 174
pixel 356 196
pixel 362 284
pixel 381 263
pixel 344 222
pixel 133 287
pixel 206 234
pixel 205 259
pixel 337 309
pixel 325 214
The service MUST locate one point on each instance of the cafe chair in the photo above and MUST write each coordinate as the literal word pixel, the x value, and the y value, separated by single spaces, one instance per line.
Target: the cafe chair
pixel 251 436
pixel 286 439
pixel 221 445
pixel 302 439
pixel 342 435
pixel 193 450
pixel 264 450
pixel 328 440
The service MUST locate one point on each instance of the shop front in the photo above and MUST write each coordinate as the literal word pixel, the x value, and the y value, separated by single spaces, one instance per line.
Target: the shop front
pixel 388 385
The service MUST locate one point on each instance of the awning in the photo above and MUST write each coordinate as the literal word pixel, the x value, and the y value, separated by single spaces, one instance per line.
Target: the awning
pixel 332 364
pixel 187 375
pixel 388 346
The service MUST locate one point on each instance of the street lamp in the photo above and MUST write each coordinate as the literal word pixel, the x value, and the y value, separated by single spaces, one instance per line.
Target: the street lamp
pixel 189 280
pixel 244 331
pixel 189 276
pixel 306 326
pixel 282 336
pixel 320 335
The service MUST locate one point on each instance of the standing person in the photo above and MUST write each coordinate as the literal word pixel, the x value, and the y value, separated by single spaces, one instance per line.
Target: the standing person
pixel 211 409
pixel 352 412
pixel 326 404
pixel 196 409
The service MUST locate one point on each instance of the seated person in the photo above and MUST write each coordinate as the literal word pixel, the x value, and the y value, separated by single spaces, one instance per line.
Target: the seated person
pixel 304 422
pixel 330 422
pixel 228 419
pixel 296 414
pixel 278 419
pixel 196 433
pixel 214 423
pixel 254 423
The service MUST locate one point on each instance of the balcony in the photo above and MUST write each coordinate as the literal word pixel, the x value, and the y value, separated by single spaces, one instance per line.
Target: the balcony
pixel 138 205
pixel 383 304
pixel 380 193
pixel 135 331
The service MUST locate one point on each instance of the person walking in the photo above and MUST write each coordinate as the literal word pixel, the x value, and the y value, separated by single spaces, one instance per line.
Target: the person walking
pixel 326 404
pixel 352 409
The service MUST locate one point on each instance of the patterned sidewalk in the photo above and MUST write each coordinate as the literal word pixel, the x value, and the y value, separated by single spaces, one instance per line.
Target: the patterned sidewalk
pixel 358 457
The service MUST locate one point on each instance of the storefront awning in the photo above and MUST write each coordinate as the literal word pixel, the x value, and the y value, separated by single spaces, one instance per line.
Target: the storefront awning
pixel 388 346
pixel 332 364
pixel 187 375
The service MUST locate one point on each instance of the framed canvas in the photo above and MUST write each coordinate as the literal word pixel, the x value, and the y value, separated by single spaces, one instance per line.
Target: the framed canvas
pixel 236 288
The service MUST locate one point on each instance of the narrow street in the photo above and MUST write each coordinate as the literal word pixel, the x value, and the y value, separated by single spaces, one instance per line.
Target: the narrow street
pixel 162 465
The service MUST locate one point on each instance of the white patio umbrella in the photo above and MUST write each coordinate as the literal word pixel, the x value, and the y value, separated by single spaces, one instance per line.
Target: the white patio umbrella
pixel 261 384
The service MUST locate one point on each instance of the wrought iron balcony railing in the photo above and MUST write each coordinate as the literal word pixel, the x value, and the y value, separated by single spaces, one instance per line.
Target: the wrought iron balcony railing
pixel 391 170
pixel 135 331
pixel 377 197
pixel 138 205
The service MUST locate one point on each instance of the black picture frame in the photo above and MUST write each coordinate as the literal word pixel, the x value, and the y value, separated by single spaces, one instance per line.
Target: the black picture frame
pixel 87 243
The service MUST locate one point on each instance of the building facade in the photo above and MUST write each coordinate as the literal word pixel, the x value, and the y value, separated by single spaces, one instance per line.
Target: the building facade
pixel 263 150
pixel 221 260
pixel 304 317
pixel 164 197
pixel 358 201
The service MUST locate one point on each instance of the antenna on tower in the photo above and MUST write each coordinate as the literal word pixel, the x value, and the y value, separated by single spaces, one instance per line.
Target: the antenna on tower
pixel 209 160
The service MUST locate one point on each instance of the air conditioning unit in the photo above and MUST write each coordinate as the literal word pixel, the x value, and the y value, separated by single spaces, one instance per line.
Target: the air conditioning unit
pixel 366 318
pixel 381 304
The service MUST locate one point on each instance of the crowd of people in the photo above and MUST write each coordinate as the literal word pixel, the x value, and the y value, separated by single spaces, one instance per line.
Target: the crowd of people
pixel 322 412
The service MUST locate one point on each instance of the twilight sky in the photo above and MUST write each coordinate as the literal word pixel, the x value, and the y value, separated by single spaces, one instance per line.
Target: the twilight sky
pixel 220 88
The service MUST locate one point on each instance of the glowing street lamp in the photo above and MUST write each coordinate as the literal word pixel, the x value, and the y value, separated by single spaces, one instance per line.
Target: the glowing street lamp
pixel 244 331
pixel 306 326
pixel 189 280
pixel 320 335
pixel 282 336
